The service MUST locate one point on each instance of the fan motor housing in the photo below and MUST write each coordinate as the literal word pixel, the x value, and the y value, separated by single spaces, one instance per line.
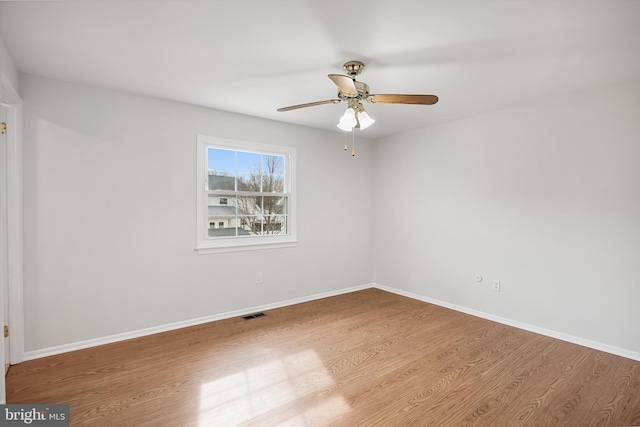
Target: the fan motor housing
pixel 363 92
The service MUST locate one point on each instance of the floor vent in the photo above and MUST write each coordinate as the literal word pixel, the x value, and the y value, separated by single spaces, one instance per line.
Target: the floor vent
pixel 253 316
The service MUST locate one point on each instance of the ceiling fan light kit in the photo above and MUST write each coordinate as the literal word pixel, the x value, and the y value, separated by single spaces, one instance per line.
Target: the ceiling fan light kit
pixel 354 92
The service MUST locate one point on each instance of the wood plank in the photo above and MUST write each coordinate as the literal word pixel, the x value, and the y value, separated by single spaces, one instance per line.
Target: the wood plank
pixel 365 358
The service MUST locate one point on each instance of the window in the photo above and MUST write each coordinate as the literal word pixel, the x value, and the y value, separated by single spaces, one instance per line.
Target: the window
pixel 247 189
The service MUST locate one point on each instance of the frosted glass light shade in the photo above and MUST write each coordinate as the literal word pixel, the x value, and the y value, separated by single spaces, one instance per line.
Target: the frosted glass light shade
pixel 365 120
pixel 348 120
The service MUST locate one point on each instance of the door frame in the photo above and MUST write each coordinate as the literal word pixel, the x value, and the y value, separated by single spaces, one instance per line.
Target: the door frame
pixel 10 99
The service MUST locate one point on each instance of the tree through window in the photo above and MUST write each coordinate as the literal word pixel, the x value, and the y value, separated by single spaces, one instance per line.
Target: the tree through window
pixel 248 189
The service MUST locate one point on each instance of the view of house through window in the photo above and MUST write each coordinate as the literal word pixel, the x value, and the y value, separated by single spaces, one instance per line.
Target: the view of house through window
pixel 246 193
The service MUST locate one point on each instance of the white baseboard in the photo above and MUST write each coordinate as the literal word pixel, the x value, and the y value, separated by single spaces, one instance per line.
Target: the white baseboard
pixel 50 351
pixel 520 325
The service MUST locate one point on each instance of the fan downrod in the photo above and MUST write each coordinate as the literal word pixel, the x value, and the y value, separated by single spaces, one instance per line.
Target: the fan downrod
pixel 353 68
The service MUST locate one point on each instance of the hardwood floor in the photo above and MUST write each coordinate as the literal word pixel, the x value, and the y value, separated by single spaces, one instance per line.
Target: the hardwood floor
pixel 369 358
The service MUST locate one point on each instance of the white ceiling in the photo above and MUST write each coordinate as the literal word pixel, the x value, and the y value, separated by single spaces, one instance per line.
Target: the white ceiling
pixel 254 56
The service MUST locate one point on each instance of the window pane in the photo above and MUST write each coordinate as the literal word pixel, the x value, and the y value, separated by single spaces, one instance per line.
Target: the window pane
pixel 216 233
pixel 216 212
pixel 219 181
pixel 272 164
pixel 219 159
pixel 248 182
pixel 222 220
pixel 272 224
pixel 248 162
pixel 249 225
pixel 272 183
pixel 274 205
pixel 249 205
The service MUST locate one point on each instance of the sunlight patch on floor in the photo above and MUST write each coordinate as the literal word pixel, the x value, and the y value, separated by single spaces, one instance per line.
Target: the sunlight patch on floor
pixel 251 393
pixel 319 414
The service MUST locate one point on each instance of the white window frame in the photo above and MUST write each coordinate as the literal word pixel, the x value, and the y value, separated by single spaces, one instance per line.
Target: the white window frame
pixel 206 245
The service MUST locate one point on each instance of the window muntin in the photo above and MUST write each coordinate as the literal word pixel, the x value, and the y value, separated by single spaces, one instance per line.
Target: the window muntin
pixel 248 188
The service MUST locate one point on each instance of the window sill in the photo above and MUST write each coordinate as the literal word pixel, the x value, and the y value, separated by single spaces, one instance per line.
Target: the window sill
pixel 234 246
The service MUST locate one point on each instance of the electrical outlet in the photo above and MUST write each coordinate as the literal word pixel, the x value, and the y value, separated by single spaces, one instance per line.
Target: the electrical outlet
pixel 259 278
pixel 496 285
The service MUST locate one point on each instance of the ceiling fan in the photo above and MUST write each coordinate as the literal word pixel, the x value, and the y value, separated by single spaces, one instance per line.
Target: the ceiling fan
pixel 354 92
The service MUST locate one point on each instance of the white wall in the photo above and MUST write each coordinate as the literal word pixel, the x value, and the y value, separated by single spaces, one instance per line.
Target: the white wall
pixel 545 198
pixel 7 67
pixel 109 187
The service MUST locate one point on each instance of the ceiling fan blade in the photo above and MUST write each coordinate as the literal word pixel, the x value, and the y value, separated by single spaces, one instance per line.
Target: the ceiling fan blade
pixel 345 84
pixel 403 99
pixel 310 104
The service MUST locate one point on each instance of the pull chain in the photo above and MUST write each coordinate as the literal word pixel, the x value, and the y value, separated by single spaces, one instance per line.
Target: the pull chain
pixel 353 142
